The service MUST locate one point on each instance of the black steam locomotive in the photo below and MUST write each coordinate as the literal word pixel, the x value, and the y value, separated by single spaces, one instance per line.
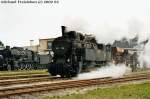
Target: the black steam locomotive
pixel 17 58
pixel 75 53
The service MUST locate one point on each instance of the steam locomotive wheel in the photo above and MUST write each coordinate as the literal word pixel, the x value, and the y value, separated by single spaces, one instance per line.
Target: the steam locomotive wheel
pixel 9 67
pixel 69 72
pixel 27 66
pixel 51 69
pixel 22 66
pixel 30 66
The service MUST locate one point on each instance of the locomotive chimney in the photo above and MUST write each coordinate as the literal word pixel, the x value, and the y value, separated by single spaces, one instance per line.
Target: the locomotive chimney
pixel 63 28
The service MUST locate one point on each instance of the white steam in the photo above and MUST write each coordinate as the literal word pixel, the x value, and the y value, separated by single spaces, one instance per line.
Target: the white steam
pixel 106 31
pixel 113 71
pixel 144 57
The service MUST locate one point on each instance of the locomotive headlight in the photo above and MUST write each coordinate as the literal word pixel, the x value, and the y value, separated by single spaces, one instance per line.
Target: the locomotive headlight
pixel 68 60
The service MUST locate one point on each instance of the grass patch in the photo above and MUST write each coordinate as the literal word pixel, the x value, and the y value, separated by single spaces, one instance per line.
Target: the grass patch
pixel 23 72
pixel 131 91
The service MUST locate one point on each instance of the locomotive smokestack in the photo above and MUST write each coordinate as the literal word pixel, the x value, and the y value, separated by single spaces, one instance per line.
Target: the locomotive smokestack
pixel 63 28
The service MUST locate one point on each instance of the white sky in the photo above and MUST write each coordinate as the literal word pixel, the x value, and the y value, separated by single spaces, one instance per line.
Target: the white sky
pixel 107 19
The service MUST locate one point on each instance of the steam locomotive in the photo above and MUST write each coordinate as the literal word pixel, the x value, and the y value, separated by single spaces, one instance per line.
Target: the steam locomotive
pixel 18 58
pixel 75 53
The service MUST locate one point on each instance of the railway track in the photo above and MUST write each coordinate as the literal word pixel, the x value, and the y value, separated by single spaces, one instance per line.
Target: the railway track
pixel 33 75
pixel 26 79
pixel 23 81
pixel 6 92
pixel 23 76
pixel 4 83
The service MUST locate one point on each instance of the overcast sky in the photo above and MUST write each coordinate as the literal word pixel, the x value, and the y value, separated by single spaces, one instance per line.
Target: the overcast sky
pixel 106 19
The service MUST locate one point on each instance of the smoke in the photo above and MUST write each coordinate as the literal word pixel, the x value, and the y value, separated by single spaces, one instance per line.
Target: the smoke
pixel 112 70
pixel 76 24
pixel 141 29
pixel 135 26
pixel 102 32
pixel 105 31
pixel 145 56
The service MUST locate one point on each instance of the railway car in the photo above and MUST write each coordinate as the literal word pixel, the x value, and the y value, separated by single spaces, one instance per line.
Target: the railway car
pixel 75 53
pixel 128 56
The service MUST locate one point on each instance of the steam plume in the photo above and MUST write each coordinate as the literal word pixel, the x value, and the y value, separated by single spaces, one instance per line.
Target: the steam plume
pixel 114 71
pixel 144 57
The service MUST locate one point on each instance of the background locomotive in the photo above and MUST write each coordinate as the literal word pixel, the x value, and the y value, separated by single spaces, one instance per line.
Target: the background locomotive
pixel 18 58
pixel 75 53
